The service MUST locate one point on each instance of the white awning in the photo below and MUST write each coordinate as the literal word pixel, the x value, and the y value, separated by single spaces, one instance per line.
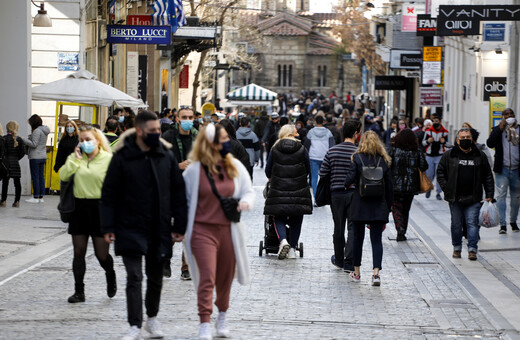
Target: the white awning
pixel 251 93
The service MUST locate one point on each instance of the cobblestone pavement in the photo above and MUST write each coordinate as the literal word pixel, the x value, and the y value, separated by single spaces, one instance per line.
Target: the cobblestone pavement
pixel 306 298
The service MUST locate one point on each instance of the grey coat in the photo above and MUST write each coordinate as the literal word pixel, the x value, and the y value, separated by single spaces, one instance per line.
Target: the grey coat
pixel 37 142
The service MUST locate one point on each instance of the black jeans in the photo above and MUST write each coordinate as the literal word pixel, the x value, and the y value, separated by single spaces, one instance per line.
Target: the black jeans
pixel 134 295
pixel 376 231
pixel 340 207
pixel 401 212
pixel 17 188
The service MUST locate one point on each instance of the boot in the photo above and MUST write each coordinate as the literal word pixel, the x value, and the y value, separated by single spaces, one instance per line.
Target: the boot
pixel 2 204
pixel 111 283
pixel 79 294
pixel 400 234
pixel 16 204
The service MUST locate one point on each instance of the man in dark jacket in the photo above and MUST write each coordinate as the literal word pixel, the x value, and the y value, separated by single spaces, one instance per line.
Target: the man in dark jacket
pixel 112 127
pixel 271 132
pixel 142 192
pixel 463 173
pixel 259 129
pixel 505 139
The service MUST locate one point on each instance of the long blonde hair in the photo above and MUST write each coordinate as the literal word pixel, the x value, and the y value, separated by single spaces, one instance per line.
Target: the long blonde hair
pixel 204 151
pixel 100 137
pixel 1 130
pixel 12 127
pixel 371 144
pixel 285 133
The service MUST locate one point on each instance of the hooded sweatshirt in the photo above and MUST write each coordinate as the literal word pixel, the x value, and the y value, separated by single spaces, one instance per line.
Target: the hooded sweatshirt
pixel 250 142
pixel 37 142
pixel 319 141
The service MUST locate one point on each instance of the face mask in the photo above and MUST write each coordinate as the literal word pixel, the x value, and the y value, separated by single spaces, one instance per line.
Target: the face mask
pixel 226 148
pixel 186 125
pixel 511 120
pixel 88 146
pixel 152 139
pixel 436 126
pixel 121 119
pixel 402 126
pixel 465 143
pixel 70 130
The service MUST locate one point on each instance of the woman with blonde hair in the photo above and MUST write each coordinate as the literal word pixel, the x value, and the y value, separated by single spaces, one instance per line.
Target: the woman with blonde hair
pixel 213 243
pixel 289 197
pixel 88 164
pixel 369 208
pixel 67 144
pixel 15 150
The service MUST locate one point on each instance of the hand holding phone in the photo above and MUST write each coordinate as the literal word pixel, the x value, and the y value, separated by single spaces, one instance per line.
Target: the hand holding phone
pixel 78 152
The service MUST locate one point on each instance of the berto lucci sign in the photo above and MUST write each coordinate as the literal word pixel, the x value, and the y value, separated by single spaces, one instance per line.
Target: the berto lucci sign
pixel 465 19
pixel 119 34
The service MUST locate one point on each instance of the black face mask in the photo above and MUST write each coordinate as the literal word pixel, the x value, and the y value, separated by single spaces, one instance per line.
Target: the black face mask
pixel 465 144
pixel 436 126
pixel 152 139
pixel 226 148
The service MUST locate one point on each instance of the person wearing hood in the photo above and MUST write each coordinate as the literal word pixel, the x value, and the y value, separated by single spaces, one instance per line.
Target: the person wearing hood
pixel 318 141
pixel 142 194
pixel 505 139
pixel 464 175
pixel 36 142
pixel 249 140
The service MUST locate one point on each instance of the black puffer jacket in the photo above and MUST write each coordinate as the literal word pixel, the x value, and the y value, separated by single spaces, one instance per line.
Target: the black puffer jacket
pixel 405 170
pixel 288 168
pixel 141 193
pixel 14 154
pixel 66 146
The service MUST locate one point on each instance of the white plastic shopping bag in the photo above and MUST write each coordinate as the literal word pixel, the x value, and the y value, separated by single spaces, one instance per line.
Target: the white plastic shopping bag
pixel 489 216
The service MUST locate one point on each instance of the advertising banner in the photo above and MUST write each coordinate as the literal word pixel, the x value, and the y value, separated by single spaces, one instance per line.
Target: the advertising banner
pixel 407 59
pixel 431 96
pixel 142 78
pixel 409 16
pixel 119 34
pixel 132 68
pixel 432 53
pixel 494 32
pixel 390 83
pixel 496 106
pixel 494 87
pixel 431 73
pixel 426 25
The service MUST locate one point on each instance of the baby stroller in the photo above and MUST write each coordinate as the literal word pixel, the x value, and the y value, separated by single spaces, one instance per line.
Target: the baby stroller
pixel 270 243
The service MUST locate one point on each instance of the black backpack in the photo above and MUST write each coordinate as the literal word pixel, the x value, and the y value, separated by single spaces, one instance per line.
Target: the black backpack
pixel 371 182
pixel 4 163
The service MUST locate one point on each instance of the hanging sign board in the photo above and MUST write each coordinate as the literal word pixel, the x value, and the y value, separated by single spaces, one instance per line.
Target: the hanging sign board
pixel 496 106
pixel 119 34
pixel 426 25
pixel 494 32
pixel 431 73
pixel 432 53
pixel 409 16
pixel 390 83
pixel 494 87
pixel 431 96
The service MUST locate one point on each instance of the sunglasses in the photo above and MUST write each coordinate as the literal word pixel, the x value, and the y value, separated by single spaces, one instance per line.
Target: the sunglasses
pixel 186 107
pixel 86 128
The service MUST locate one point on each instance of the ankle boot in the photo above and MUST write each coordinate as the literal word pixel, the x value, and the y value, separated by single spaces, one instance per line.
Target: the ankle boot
pixel 111 283
pixel 79 294
pixel 16 204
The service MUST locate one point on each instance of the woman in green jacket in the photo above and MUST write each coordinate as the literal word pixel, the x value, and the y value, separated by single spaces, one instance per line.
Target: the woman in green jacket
pixel 88 164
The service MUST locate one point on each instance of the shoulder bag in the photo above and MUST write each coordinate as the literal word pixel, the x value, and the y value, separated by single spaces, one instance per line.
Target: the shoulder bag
pixel 229 204
pixel 67 203
pixel 425 183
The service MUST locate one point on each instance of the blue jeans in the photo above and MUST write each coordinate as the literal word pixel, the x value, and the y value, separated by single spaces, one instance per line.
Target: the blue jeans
pixel 37 167
pixel 433 162
pixel 315 170
pixel 508 178
pixel 295 228
pixel 459 214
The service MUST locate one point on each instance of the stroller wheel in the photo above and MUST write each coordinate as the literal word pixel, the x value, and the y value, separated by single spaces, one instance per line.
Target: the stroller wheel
pixel 261 248
pixel 301 249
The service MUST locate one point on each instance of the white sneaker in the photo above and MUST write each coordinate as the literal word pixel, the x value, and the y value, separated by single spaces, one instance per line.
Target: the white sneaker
pixel 292 254
pixel 283 250
pixel 205 331
pixel 222 326
pixel 133 334
pixel 32 200
pixel 41 200
pixel 153 327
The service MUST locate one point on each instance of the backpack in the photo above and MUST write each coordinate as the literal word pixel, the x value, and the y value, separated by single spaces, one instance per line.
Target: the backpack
pixel 4 163
pixel 371 182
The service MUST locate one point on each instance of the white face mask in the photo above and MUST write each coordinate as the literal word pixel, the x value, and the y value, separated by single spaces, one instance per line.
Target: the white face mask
pixel 510 120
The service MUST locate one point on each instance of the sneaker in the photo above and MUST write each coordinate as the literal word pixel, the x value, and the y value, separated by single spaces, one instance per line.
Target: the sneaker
pixel 111 284
pixel 153 327
pixel 292 254
pixel 472 256
pixel 32 200
pixel 76 297
pixel 16 204
pixel 133 334
pixel 41 200
pixel 428 194
pixel 185 275
pixel 514 227
pixel 2 204
pixel 376 280
pixel 354 277
pixel 348 268
pixel 283 250
pixel 333 261
pixel 205 331
pixel 456 254
pixel 503 229
pixel 222 326
pixel 438 197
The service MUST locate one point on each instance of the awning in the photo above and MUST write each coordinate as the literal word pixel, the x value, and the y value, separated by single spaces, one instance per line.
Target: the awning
pixel 251 93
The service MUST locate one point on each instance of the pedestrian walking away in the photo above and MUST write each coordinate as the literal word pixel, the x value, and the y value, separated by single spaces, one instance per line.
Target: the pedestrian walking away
pixel 87 167
pixel 288 198
pixel 505 139
pixel 36 143
pixel 67 144
pixel 434 142
pixel 249 141
pixel 407 161
pixel 14 152
pixel 370 209
pixel 464 175
pixel 271 132
pixel 259 129
pixel 142 192
pixel 336 164
pixel 214 244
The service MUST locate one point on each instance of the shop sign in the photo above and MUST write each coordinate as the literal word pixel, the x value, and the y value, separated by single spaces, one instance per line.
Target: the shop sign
pixel 431 73
pixel 409 16
pixel 494 87
pixel 390 83
pixel 412 74
pixel 494 32
pixel 426 25
pixel 142 78
pixel 68 61
pixel 140 20
pixel 431 96
pixel 132 71
pixel 407 59
pixel 119 34
pixel 432 53
pixel 184 77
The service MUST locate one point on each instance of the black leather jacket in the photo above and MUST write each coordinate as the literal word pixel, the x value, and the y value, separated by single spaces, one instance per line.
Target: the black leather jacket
pixel 405 170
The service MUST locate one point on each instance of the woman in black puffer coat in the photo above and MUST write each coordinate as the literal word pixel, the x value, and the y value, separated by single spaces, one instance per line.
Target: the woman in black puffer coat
pixel 15 152
pixel 289 197
pixel 407 160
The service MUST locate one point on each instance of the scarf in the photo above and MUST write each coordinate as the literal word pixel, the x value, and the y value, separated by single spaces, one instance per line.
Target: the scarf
pixel 511 134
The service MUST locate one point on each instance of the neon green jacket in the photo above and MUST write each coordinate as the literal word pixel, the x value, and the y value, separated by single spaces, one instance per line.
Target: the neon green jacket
pixel 88 175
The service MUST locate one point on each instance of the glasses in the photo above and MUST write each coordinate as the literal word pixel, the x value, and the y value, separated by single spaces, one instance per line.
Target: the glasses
pixel 186 107
pixel 86 128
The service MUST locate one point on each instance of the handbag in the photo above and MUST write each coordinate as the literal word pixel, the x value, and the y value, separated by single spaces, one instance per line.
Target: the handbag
pixel 425 183
pixel 266 189
pixel 323 191
pixel 229 204
pixel 67 203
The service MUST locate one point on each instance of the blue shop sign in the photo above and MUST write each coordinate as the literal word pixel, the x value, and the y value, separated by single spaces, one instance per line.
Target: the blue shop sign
pixel 494 32
pixel 130 34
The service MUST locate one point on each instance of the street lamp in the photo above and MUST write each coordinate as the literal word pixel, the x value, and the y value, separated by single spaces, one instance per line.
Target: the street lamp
pixel 42 19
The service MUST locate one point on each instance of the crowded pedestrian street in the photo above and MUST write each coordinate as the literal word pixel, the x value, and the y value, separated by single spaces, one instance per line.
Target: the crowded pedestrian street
pixel 424 292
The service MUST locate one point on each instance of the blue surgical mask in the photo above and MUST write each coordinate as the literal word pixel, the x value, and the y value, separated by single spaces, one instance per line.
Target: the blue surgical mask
pixel 121 119
pixel 226 148
pixel 70 130
pixel 88 146
pixel 186 125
